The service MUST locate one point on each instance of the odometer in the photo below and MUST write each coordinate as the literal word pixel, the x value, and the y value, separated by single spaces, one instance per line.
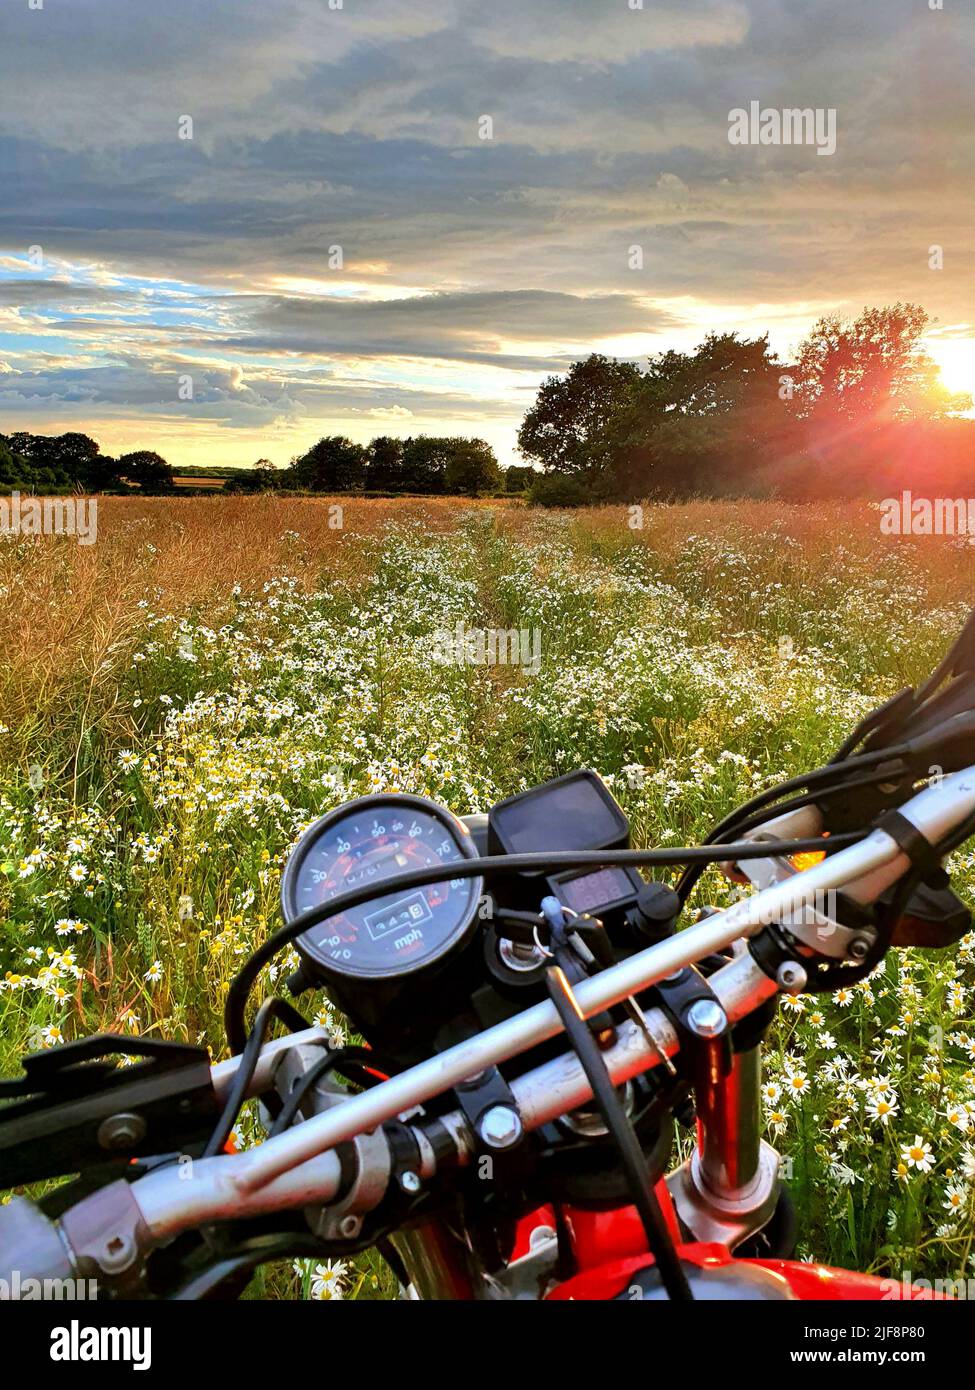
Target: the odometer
pixel 365 843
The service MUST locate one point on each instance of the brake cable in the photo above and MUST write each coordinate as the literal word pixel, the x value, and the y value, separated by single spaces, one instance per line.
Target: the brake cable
pixel 339 1060
pixel 270 1009
pixel 618 1125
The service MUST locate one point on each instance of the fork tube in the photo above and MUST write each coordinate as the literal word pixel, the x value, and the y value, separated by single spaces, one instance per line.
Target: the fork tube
pixel 728 1118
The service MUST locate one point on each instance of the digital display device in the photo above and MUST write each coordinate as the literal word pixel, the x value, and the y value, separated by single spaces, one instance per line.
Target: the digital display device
pixel 576 811
pixel 595 892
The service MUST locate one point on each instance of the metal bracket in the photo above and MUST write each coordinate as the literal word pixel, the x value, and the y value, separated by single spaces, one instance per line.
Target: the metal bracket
pixel 814 925
pixel 732 1216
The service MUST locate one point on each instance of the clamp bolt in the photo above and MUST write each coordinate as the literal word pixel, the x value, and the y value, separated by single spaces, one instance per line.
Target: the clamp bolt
pixel 791 977
pixel 118 1254
pixel 500 1127
pixel 121 1131
pixel 707 1018
pixel 410 1181
pixel 859 948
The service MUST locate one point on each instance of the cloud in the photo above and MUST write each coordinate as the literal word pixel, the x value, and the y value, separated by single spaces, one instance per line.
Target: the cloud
pixel 471 268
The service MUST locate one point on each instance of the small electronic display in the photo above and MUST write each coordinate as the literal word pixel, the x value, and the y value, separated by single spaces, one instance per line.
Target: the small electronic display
pixel 595 892
pixel 576 811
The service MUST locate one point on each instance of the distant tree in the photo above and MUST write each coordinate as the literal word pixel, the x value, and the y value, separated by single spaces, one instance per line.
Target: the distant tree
pixel 68 461
pixel 334 464
pixel 266 476
pixel 567 430
pixel 872 370
pixel 472 468
pixel 518 478
pixel 148 470
pixel 384 466
pixel 424 466
pixel 560 490
pixel 14 471
pixel 261 477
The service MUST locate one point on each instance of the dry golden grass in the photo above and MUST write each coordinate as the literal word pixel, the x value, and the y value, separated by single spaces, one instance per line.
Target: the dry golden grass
pixel 71 611
pixel 71 614
pixel 819 529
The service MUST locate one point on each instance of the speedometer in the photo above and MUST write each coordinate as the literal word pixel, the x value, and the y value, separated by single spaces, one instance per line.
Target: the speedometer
pixel 364 843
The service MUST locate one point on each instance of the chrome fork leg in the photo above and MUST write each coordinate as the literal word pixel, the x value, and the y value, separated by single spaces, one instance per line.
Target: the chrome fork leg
pixel 728 1189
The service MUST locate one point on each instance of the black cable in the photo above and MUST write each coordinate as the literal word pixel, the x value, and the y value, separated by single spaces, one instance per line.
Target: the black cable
pixel 330 1062
pixel 243 982
pixel 624 1137
pixel 206 1283
pixel 270 1009
pixel 815 778
pixel 902 705
pixel 951 662
pixel 818 785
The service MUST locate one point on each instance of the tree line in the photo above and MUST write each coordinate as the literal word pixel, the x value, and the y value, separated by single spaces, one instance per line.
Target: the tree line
pixel 73 462
pixel 860 411
pixel 423 464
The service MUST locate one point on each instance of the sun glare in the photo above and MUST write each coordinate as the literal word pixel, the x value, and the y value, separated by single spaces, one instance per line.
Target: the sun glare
pixel 956 362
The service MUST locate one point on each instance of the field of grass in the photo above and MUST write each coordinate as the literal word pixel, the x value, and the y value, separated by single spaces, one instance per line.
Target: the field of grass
pixel 179 700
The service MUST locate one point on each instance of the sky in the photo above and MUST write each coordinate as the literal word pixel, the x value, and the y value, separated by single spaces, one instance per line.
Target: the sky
pixel 229 228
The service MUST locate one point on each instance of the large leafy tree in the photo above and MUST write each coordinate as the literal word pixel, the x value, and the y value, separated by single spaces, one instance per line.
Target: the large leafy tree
pixel 569 429
pixel 425 460
pixel 384 469
pixel 472 468
pixel 334 464
pixel 147 469
pixel 872 370
pixel 66 460
pixel 703 421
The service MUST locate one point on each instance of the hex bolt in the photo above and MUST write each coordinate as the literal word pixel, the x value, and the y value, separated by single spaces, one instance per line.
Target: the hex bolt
pixel 707 1018
pixel 118 1254
pixel 791 977
pixel 121 1131
pixel 410 1181
pixel 500 1127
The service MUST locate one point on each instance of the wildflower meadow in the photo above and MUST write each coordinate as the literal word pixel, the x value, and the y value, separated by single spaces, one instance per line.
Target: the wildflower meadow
pixel 180 700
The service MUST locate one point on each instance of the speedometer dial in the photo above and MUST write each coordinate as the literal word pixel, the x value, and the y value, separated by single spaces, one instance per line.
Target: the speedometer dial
pixel 367 842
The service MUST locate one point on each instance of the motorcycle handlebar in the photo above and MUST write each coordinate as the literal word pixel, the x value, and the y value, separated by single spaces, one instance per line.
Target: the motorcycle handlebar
pixel 301 1167
pixel 877 861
